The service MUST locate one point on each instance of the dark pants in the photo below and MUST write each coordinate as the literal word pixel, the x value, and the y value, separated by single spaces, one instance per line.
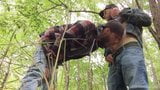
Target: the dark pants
pixel 128 70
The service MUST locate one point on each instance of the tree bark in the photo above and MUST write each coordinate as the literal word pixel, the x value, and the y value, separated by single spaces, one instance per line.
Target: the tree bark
pixel 66 67
pixel 155 11
pixel 78 77
pixel 153 71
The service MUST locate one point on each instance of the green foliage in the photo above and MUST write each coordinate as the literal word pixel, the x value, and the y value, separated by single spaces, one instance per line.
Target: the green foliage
pixel 21 22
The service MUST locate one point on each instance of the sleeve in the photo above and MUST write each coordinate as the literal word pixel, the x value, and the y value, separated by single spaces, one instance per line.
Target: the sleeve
pixel 135 16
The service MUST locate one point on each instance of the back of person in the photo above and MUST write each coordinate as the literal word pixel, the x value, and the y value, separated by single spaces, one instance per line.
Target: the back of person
pixel 79 38
pixel 134 18
pixel 80 41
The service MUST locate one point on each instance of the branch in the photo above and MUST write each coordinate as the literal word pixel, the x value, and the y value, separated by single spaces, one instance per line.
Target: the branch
pixel 84 11
pixel 6 76
pixel 8 47
pixel 138 5
pixel 150 28
pixel 154 35
pixel 49 8
pixel 64 5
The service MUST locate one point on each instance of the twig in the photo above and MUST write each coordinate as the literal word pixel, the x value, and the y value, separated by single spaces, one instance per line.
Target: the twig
pixel 154 35
pixel 63 4
pixel 66 68
pixel 84 11
pixel 138 5
pixel 16 64
pixel 6 76
pixel 5 53
pixel 78 77
pixel 49 9
pixel 57 57
pixel 90 71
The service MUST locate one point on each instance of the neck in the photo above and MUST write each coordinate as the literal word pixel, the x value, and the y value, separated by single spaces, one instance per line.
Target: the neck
pixel 126 39
pixel 116 46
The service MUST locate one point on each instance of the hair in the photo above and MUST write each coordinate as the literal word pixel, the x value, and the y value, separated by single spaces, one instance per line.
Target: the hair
pixel 109 6
pixel 115 27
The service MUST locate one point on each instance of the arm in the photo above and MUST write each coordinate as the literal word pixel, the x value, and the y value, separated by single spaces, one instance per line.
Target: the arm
pixel 135 16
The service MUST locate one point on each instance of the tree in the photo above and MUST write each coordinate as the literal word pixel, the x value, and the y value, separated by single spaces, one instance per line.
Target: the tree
pixel 155 11
pixel 21 22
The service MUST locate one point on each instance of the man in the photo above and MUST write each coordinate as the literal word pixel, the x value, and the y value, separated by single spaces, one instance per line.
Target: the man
pixel 133 17
pixel 78 41
pixel 127 67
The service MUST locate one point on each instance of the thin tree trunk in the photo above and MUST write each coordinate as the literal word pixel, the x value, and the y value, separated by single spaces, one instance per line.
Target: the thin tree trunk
pixel 155 79
pixel 78 77
pixel 66 67
pixel 155 11
pixel 90 79
pixel 90 75
pixel 104 80
pixel 6 76
pixel 153 72
pixel 155 35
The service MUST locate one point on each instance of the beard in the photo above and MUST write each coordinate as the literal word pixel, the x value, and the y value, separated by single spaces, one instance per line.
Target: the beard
pixel 103 42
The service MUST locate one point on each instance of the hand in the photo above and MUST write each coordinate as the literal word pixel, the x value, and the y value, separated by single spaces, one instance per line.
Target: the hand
pixel 58 39
pixel 109 58
pixel 47 73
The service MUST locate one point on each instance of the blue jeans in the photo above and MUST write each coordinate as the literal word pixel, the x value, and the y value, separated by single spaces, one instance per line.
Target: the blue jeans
pixel 128 69
pixel 35 74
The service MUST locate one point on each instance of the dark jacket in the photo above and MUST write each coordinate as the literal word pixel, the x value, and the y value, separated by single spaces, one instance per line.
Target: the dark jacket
pixel 136 19
pixel 135 16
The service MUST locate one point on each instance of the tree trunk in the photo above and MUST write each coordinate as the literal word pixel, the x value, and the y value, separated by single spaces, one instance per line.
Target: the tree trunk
pixel 155 79
pixel 90 75
pixel 78 77
pixel 153 71
pixel 155 11
pixel 90 79
pixel 66 67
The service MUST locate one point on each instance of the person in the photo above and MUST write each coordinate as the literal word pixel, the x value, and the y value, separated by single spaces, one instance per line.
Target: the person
pixel 79 39
pixel 127 67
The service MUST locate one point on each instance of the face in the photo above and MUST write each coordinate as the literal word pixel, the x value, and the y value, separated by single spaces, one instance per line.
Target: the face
pixel 109 14
pixel 107 38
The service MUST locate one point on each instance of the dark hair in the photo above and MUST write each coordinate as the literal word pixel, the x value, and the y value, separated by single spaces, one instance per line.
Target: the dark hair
pixel 109 6
pixel 115 27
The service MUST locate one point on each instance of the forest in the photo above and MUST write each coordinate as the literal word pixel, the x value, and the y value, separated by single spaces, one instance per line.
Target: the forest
pixel 22 21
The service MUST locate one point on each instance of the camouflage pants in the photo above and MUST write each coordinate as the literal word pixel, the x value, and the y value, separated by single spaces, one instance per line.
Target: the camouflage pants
pixel 35 74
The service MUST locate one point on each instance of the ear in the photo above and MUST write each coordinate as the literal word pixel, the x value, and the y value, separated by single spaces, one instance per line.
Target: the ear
pixel 106 30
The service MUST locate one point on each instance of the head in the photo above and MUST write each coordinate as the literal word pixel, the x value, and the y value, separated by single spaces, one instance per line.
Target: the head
pixel 110 12
pixel 112 34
